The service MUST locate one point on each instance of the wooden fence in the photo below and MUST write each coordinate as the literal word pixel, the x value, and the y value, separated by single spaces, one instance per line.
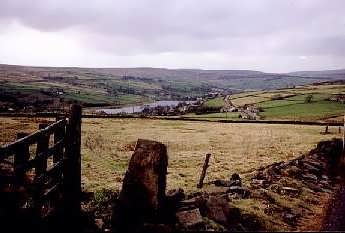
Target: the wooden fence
pixel 44 167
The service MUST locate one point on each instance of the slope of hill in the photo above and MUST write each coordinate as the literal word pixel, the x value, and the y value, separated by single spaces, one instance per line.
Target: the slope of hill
pixel 326 74
pixel 50 86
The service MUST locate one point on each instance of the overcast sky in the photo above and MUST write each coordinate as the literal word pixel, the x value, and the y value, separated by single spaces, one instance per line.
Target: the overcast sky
pixel 265 35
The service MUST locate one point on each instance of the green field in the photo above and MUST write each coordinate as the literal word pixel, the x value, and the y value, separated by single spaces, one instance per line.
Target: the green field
pixel 292 106
pixel 216 102
pixel 215 116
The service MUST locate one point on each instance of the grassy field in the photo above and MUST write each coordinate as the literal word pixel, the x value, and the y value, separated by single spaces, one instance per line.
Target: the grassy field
pixel 107 145
pixel 216 102
pixel 215 116
pixel 291 106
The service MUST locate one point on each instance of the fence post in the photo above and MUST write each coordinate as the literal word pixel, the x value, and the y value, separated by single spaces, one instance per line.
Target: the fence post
pixel 40 168
pixel 344 136
pixel 21 157
pixel 42 146
pixel 203 172
pixel 72 165
pixel 58 135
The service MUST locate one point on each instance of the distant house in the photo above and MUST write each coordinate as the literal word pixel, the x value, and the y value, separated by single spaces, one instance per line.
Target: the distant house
pixel 252 108
pixel 53 91
pixel 249 115
pixel 338 98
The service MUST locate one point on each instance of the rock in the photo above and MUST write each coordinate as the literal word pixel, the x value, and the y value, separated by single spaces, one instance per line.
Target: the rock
pixel 275 188
pixel 235 180
pixel 232 196
pixel 215 209
pixel 243 192
pixel 251 222
pixel 173 203
pixel 155 228
pixel 222 183
pixel 326 190
pixel 310 177
pixel 194 194
pixel 262 194
pixel 219 210
pixel 175 195
pixel 260 183
pixel 292 171
pixel 259 175
pixel 200 203
pixel 271 174
pixel 290 218
pixel 190 218
pixel 99 223
pixel 316 164
pixel 325 184
pixel 87 196
pixel 314 187
pixel 143 190
pixel 187 204
pixel 289 191
pixel 312 169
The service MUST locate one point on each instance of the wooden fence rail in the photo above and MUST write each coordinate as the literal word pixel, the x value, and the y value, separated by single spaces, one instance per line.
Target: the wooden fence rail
pixel 45 165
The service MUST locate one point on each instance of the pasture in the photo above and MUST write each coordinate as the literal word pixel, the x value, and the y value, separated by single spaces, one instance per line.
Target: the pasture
pixel 289 106
pixel 107 145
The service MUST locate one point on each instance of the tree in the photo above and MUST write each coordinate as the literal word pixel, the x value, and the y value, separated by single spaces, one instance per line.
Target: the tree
pixel 308 99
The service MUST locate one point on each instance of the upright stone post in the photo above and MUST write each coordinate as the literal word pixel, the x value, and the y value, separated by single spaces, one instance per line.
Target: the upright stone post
pixel 142 197
pixel 72 166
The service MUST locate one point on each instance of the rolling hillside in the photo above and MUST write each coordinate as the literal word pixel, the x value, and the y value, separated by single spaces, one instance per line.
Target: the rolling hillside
pixel 21 86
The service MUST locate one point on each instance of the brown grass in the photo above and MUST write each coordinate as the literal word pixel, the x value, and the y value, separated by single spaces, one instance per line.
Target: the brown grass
pixel 107 145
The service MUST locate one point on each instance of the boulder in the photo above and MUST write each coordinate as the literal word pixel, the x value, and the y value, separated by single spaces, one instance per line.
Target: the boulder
pixel 142 196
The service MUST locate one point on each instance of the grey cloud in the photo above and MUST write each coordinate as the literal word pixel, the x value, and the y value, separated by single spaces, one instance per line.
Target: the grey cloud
pixel 279 27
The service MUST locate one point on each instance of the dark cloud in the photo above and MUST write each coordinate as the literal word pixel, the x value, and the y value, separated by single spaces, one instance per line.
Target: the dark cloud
pixel 236 27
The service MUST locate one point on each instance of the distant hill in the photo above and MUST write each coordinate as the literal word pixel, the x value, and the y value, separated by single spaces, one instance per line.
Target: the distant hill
pixel 325 74
pixel 123 86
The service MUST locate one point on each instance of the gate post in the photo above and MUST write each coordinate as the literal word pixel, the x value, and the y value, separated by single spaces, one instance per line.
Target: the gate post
pixel 72 166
